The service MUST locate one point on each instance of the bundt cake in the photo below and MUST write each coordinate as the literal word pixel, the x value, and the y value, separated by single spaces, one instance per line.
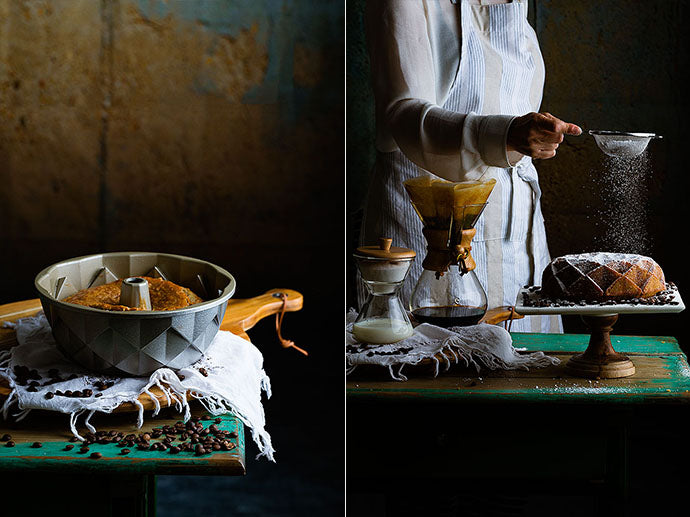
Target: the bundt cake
pixel 602 276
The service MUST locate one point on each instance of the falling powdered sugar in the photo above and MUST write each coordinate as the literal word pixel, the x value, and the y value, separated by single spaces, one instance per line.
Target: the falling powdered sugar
pixel 623 184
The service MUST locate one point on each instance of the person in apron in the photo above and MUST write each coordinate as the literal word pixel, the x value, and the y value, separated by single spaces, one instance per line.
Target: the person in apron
pixel 457 87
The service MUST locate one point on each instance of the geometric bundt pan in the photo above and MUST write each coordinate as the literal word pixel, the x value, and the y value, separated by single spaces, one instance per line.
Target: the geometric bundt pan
pixel 133 342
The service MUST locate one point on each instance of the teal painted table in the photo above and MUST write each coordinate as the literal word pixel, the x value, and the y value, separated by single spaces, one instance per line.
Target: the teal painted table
pixel 663 375
pixel 114 484
pixel 68 481
pixel 538 428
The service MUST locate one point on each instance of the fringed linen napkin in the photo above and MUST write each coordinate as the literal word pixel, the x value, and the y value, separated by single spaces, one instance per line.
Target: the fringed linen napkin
pixel 478 345
pixel 229 378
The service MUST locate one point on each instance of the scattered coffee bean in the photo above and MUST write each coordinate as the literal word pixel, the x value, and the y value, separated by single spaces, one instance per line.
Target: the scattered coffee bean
pixel 9 444
pixel 5 437
pixel 233 434
pixel 84 449
pixel 50 395
pixel 73 439
pixel 95 455
pixel 125 451
pixel 69 447
pixel 203 372
pixel 36 445
pixel 98 395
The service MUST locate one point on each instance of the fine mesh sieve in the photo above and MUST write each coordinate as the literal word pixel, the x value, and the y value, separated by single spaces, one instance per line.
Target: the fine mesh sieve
pixel 621 144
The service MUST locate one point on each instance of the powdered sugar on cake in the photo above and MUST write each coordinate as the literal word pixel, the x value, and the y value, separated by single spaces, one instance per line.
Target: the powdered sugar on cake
pixel 603 275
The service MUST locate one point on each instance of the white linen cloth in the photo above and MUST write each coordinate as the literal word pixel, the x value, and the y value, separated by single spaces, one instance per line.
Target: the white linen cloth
pixel 448 81
pixel 234 382
pixel 478 345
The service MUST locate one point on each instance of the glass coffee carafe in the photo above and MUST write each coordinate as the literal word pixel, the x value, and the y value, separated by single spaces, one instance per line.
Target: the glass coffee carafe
pixel 448 292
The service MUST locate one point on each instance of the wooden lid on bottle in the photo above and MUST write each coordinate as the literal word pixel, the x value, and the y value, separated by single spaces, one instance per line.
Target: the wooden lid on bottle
pixel 384 250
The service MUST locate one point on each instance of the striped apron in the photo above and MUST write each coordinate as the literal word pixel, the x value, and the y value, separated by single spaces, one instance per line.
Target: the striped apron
pixel 501 71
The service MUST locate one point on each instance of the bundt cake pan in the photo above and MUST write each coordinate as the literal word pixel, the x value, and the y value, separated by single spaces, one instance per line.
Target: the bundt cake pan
pixel 133 342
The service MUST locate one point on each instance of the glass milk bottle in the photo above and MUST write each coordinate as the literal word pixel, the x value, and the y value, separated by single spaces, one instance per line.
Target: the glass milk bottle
pixel 383 318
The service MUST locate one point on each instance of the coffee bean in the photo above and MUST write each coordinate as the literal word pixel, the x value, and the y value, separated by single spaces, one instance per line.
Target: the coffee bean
pixel 233 434
pixel 9 444
pixel 5 438
pixel 218 420
pixel 98 395
pixel 36 445
pixel 84 449
pixel 95 455
pixel 50 395
pixel 125 451
pixel 69 447
pixel 32 389
pixel 203 372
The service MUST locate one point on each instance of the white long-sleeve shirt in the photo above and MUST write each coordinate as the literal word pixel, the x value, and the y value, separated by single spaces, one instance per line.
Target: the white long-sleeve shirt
pixel 415 48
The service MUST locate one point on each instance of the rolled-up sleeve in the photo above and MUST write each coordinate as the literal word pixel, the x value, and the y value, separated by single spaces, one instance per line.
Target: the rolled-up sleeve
pixel 455 146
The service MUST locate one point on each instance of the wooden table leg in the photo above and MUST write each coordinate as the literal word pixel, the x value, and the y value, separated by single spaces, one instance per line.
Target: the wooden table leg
pixel 41 493
pixel 617 493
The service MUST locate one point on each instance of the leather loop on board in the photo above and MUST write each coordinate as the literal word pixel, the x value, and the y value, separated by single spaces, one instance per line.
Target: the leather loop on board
pixel 285 343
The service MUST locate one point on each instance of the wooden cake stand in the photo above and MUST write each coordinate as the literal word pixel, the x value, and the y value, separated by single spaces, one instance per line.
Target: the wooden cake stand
pixel 240 316
pixel 600 360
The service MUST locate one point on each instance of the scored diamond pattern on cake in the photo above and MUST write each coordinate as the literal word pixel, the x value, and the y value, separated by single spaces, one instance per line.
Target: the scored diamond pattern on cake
pixel 599 276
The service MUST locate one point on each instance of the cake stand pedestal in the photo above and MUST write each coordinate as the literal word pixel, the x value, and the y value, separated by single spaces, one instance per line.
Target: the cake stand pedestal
pixel 600 360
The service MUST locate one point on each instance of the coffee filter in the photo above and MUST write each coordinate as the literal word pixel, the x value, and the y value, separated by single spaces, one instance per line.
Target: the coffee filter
pixel 438 201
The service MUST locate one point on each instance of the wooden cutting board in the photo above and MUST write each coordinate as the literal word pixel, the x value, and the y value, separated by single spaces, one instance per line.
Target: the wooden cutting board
pixel 240 316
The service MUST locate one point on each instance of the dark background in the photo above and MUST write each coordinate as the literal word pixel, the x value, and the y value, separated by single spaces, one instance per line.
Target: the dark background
pixel 614 65
pixel 212 129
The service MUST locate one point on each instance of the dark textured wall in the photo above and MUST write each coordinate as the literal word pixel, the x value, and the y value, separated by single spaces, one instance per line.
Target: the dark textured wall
pixel 210 128
pixel 611 65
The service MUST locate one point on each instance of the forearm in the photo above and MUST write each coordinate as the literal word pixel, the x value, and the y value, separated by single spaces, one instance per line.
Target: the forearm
pixel 454 146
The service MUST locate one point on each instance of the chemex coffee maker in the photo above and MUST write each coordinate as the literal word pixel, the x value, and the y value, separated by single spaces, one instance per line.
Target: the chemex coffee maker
pixel 448 292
